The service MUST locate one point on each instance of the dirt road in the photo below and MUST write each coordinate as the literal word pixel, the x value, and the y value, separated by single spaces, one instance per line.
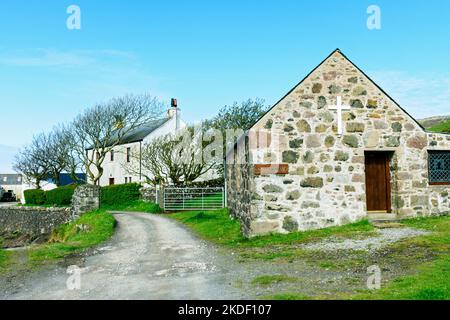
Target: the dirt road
pixel 149 257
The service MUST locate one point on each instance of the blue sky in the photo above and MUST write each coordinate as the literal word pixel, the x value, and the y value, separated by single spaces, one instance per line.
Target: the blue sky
pixel 208 54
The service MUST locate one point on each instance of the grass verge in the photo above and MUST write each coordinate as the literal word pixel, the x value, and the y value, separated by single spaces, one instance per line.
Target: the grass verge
pixel 431 280
pixel 217 227
pixel 4 260
pixel 89 230
pixel 287 296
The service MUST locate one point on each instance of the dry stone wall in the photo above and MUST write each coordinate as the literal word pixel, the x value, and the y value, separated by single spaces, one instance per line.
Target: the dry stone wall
pixel 22 225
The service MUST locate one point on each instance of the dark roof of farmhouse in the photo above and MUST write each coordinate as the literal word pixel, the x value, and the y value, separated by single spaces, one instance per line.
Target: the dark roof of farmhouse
pixel 138 134
pixel 307 76
pixel 10 179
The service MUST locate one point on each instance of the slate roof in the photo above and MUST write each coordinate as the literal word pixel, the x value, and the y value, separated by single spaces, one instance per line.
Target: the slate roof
pixel 65 179
pixel 10 179
pixel 141 132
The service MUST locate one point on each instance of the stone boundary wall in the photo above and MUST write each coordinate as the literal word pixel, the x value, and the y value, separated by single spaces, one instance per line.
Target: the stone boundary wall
pixel 22 225
pixel 85 198
pixel 148 194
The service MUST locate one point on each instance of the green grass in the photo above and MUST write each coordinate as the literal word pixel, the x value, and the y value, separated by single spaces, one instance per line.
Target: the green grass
pixel 287 296
pixel 442 127
pixel 134 206
pixel 4 260
pixel 68 239
pixel 431 280
pixel 426 257
pixel 272 279
pixel 216 226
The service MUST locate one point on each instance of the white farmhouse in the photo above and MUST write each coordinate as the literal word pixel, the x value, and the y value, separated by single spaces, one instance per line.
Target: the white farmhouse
pixel 124 155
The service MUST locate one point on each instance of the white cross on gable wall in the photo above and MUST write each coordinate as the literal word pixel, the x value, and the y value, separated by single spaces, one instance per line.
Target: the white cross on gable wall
pixel 339 107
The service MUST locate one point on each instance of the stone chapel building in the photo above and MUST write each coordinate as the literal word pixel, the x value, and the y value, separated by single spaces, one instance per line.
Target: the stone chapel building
pixel 336 149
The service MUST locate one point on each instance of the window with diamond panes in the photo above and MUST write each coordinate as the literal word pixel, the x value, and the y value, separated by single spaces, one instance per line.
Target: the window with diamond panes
pixel 439 167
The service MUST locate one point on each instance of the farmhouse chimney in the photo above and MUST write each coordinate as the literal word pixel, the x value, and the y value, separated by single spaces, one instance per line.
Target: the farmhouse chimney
pixel 174 112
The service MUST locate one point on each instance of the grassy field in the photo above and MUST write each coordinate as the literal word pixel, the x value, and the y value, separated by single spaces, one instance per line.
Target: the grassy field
pixel 197 202
pixel 424 260
pixel 442 127
pixel 134 206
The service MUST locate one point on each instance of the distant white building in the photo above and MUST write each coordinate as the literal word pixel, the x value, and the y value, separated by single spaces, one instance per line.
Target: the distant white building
pixel 124 154
pixel 12 182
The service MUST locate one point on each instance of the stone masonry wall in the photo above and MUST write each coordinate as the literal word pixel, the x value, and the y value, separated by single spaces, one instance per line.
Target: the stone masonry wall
pixel 240 187
pixel 21 225
pixel 85 198
pixel 148 194
pixel 325 185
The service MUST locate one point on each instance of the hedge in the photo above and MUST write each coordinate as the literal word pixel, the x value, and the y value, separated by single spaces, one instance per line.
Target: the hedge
pixel 120 193
pixel 61 196
pixel 35 196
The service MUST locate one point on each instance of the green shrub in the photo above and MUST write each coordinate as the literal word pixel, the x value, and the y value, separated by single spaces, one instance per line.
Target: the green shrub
pixel 61 196
pixel 121 193
pixel 35 196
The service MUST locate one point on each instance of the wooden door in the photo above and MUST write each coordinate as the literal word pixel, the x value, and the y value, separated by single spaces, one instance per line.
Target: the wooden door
pixel 378 181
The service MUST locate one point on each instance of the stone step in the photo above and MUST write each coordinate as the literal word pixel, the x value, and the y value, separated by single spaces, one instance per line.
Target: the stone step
pixel 386 224
pixel 382 217
pixel 384 220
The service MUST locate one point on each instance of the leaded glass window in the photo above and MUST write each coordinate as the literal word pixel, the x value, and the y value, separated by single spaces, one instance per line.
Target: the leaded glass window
pixel 439 167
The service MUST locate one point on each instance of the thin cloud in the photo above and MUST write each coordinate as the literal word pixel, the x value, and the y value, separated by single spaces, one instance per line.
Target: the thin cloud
pixel 422 95
pixel 43 57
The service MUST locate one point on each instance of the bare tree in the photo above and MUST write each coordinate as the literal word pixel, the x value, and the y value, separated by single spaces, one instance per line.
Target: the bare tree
pixel 56 153
pixel 100 129
pixel 31 163
pixel 172 159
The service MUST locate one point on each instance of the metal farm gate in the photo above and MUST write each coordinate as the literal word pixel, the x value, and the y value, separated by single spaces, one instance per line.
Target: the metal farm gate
pixel 183 199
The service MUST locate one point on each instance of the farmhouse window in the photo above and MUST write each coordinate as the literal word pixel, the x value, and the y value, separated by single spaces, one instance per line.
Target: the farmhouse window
pixel 128 154
pixel 439 167
pixel 112 155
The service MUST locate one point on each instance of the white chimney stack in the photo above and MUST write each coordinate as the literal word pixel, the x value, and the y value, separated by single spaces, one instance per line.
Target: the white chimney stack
pixel 174 111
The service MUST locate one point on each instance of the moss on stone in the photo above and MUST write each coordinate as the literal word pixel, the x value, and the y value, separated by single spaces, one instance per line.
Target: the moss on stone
pixel 350 140
pixel 312 182
pixel 290 156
